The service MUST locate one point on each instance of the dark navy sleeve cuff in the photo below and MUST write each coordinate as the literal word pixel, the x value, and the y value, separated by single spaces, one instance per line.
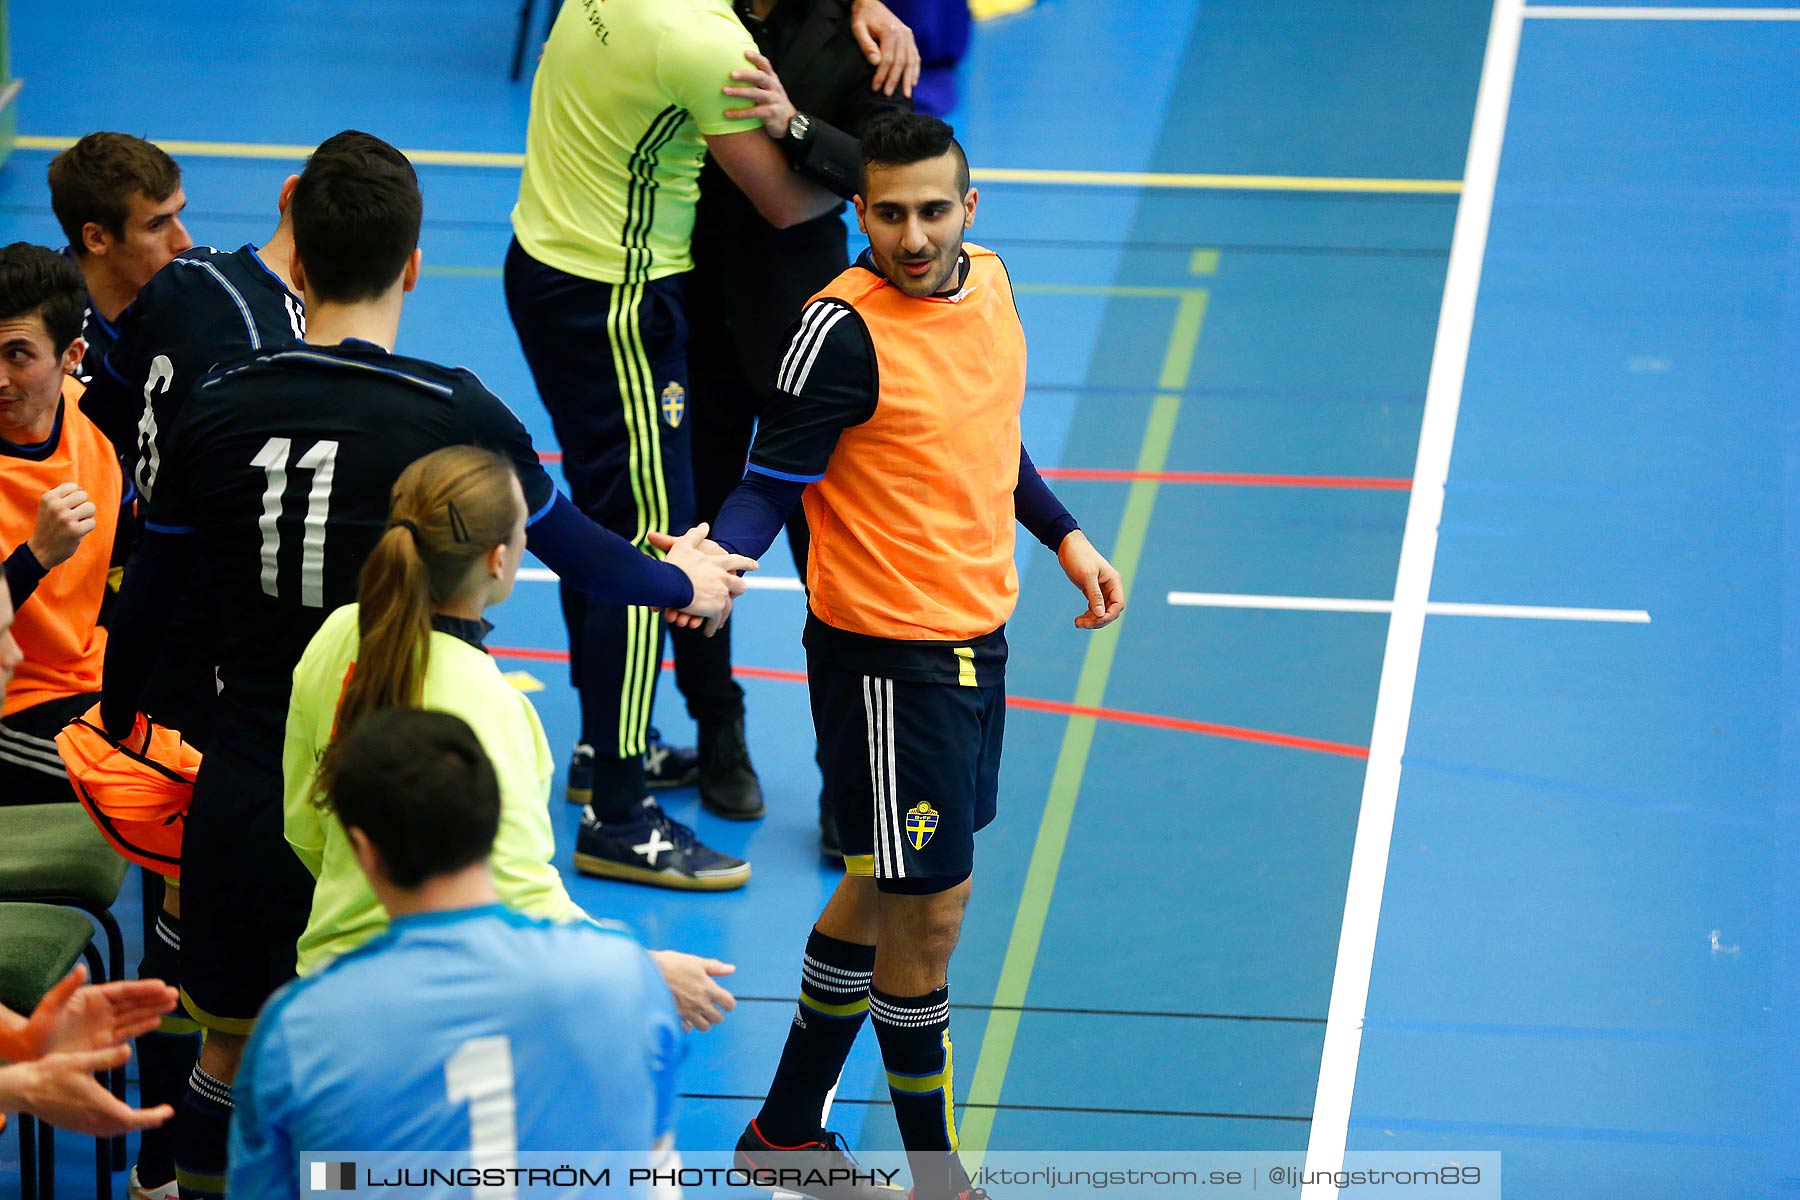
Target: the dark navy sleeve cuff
pixel 23 573
pixel 755 512
pixel 1037 507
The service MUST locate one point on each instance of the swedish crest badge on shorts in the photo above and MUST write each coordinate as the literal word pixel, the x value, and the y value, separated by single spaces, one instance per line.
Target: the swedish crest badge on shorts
pixel 674 404
pixel 921 823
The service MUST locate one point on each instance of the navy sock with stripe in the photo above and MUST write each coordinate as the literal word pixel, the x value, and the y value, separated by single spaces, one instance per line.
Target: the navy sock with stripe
pixel 202 1128
pixel 165 1057
pixel 834 998
pixel 921 1072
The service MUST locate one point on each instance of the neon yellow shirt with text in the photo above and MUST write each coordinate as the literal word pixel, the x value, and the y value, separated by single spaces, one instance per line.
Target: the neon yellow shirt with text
pixel 623 96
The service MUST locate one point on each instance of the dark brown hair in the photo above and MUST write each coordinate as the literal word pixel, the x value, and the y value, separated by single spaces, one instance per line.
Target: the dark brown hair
pixel 422 791
pixel 36 279
pixel 94 180
pixel 899 139
pixel 356 214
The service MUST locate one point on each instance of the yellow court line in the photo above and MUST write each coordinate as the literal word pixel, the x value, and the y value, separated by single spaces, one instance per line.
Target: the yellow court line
pixel 990 175
pixel 987 10
pixel 1233 183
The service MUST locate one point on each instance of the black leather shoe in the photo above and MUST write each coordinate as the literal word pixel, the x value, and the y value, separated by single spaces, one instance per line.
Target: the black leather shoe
pixel 728 783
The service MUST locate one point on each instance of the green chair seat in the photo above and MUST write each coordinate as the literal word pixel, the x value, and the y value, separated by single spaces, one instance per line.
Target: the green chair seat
pixel 39 944
pixel 53 852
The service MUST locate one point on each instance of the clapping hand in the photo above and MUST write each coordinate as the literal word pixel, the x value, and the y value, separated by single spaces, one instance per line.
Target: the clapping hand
pixel 76 1015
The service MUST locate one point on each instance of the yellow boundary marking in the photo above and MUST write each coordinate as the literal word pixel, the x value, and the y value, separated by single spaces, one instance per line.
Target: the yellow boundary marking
pixel 987 10
pixel 987 175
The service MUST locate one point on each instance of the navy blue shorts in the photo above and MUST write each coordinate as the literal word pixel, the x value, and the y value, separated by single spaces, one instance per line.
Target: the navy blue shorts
pixel 912 770
pixel 245 896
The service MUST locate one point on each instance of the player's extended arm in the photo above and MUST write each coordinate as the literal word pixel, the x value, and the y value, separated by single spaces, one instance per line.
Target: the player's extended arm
pixel 605 565
pixel 755 512
pixel 153 584
pixel 601 563
pixel 757 166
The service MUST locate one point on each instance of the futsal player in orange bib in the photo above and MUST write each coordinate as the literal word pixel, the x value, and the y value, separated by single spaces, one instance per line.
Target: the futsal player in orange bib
pixel 896 421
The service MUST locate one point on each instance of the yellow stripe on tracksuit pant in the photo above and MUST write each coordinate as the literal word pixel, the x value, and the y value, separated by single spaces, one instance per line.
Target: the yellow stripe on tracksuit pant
pixel 638 399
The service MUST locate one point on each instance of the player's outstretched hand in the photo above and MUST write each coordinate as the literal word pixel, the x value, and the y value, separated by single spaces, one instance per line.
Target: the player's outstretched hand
pixel 768 98
pixel 65 516
pixel 61 1089
pixel 1096 578
pixel 715 575
pixel 76 1015
pixel 698 1000
pixel 888 42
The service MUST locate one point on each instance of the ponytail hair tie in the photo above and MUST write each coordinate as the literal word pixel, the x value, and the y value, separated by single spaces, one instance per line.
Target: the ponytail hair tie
pixel 403 523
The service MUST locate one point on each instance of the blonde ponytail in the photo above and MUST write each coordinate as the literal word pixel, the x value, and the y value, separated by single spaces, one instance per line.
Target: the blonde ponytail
pixel 447 511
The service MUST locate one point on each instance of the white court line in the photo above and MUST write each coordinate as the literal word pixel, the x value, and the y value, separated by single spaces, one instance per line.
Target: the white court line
pixel 1412 591
pixel 767 583
pixel 1586 12
pixel 1435 608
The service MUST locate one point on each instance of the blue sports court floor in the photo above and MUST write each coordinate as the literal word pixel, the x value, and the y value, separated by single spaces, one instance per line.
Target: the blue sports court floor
pixel 1360 830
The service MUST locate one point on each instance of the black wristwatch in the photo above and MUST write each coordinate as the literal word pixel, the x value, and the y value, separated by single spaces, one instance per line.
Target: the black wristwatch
pixel 799 127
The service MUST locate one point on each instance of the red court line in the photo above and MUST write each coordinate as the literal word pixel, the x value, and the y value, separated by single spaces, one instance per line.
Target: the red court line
pixel 1215 478
pixel 1236 733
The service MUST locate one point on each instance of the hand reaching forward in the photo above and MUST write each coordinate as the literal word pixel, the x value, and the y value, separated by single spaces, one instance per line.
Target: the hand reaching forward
pixel 698 1000
pixel 694 547
pixel 76 1015
pixel 716 575
pixel 1096 578
pixel 61 1089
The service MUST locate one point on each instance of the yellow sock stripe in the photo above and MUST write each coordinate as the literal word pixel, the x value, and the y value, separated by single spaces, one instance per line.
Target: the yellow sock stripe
pixel 854 1009
pixel 199 1182
pixel 241 1026
pixel 949 1091
pixel 919 1085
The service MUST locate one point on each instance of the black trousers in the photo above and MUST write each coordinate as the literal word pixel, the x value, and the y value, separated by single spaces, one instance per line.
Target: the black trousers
pixel 743 295
pixel 610 363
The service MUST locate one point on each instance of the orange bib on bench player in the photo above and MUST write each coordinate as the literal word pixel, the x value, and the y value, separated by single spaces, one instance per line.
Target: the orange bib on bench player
pixel 136 790
pixel 912 526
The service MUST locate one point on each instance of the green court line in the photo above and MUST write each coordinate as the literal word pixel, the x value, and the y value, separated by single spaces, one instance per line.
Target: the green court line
pixel 461 272
pixel 995 1054
pixel 1110 290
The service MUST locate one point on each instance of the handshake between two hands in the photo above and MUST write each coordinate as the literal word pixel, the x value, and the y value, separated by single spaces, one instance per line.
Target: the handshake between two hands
pixel 716 575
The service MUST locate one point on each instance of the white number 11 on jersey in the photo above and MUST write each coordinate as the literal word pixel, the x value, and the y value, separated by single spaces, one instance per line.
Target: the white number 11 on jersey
pixel 321 460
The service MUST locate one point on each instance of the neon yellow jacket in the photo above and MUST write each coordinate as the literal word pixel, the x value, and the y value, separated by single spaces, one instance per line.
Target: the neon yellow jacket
pixel 459 679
